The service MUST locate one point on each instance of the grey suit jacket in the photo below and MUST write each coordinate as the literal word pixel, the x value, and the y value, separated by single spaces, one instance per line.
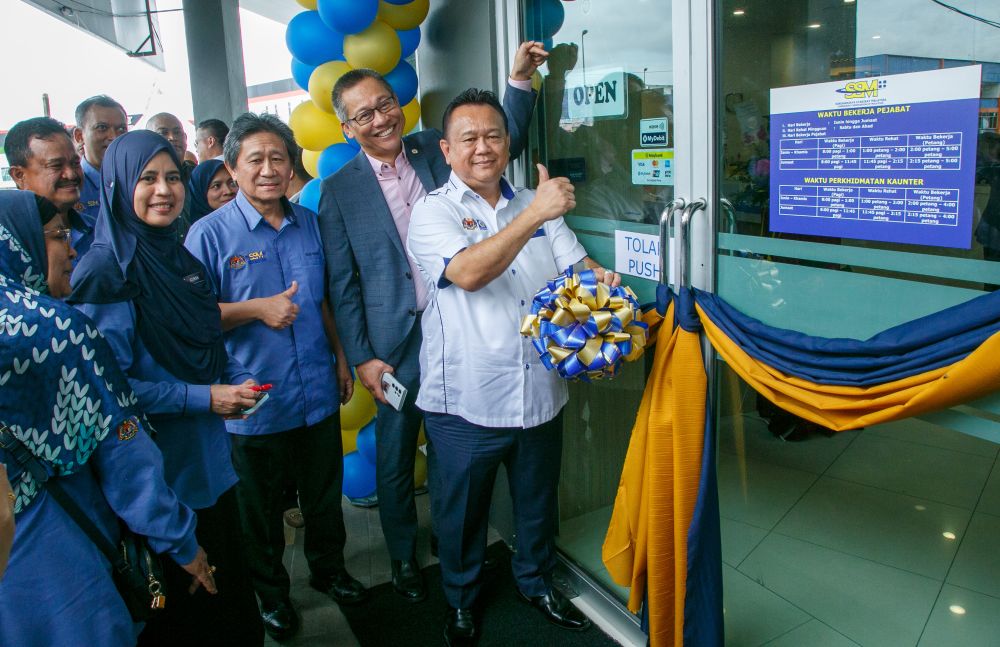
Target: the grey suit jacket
pixel 368 278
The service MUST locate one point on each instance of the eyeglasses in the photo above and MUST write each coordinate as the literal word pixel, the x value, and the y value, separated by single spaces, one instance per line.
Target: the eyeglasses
pixel 64 234
pixel 365 116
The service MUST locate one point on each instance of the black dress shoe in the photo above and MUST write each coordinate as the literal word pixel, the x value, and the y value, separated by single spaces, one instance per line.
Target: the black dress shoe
pixel 340 586
pixel 460 628
pixel 558 610
pixel 280 622
pixel 407 580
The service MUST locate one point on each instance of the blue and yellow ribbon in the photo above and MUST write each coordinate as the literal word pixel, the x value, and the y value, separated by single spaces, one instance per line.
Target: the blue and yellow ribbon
pixel 584 328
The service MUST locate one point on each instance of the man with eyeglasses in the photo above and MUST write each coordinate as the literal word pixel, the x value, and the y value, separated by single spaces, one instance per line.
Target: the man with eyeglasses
pixel 99 120
pixel 44 161
pixel 377 293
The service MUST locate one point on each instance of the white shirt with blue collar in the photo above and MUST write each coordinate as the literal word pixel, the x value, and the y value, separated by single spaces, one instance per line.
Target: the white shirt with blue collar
pixel 474 363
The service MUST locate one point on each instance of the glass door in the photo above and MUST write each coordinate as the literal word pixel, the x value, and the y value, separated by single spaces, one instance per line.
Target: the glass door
pixel 885 535
pixel 609 118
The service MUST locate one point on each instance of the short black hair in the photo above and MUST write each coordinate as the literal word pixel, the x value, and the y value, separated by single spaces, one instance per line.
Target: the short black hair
pixel 250 123
pixel 102 101
pixel 216 128
pixel 350 79
pixel 474 97
pixel 17 144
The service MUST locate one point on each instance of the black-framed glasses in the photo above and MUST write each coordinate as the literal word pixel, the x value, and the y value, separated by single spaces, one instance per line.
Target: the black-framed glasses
pixel 368 114
pixel 64 234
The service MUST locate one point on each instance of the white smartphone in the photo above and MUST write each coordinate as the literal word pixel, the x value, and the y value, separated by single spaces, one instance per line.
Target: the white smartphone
pixel 261 400
pixel 395 393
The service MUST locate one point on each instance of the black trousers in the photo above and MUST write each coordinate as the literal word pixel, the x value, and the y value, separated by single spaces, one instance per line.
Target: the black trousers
pixel 229 618
pixel 315 454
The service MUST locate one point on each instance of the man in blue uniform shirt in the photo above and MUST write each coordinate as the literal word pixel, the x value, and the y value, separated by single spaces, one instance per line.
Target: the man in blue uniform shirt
pixel 99 120
pixel 485 249
pixel 43 160
pixel 265 261
pixel 377 293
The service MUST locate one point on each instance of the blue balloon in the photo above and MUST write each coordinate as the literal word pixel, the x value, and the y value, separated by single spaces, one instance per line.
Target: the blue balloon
pixel 333 157
pixel 301 73
pixel 409 40
pixel 359 476
pixel 348 16
pixel 543 18
pixel 403 79
pixel 309 197
pixel 311 41
pixel 366 442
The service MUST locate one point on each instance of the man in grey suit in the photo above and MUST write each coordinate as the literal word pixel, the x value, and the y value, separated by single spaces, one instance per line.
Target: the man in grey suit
pixel 376 293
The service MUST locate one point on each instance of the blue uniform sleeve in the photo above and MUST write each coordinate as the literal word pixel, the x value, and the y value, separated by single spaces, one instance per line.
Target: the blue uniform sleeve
pixel 235 372
pixel 116 322
pixel 130 471
pixel 519 106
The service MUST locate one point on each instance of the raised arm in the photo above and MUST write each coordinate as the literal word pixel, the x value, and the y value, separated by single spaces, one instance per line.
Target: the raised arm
pixel 519 102
pixel 476 266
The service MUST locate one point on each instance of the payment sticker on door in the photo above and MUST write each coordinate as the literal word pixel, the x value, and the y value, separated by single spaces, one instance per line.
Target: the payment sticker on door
pixel 653 167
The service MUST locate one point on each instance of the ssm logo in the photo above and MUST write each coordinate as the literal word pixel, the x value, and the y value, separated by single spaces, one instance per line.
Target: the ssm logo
pixel 861 89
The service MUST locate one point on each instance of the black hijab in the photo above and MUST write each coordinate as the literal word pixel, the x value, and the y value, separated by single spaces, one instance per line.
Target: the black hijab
pixel 201 178
pixel 177 315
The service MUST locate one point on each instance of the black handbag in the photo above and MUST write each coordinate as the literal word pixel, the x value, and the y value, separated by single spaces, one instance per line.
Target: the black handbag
pixel 136 570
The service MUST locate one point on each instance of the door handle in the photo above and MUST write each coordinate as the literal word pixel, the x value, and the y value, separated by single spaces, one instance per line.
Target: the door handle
pixel 666 219
pixel 682 239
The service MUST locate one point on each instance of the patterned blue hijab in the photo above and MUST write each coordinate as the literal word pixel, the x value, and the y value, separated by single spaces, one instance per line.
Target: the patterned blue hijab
pixel 177 315
pixel 61 389
pixel 201 178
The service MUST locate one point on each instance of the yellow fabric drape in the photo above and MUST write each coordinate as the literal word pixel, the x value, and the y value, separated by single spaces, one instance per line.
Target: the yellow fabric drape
pixel 646 544
pixel 852 407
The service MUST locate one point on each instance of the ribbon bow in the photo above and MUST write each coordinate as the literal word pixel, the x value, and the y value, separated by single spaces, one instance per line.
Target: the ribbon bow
pixel 583 328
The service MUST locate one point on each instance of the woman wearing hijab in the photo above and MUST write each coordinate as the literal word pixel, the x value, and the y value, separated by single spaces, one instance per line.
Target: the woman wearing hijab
pixel 149 297
pixel 211 186
pixel 65 400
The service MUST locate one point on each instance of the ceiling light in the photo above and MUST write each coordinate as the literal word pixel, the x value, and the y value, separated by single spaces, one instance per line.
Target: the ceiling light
pixel 814 25
pixel 738 12
pixel 948 535
pixel 876 37
pixel 848 1
pixel 957 609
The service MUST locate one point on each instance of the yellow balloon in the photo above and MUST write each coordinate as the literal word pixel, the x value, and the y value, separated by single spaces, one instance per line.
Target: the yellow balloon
pixel 314 129
pixel 321 83
pixel 349 437
pixel 419 469
pixel 376 47
pixel 411 115
pixel 403 16
pixel 308 4
pixel 359 411
pixel 310 162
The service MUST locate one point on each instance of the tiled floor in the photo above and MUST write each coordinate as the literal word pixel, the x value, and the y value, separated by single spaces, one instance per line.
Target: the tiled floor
pixel 882 537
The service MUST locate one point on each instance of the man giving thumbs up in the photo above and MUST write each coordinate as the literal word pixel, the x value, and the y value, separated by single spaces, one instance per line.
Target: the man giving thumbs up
pixel 484 248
